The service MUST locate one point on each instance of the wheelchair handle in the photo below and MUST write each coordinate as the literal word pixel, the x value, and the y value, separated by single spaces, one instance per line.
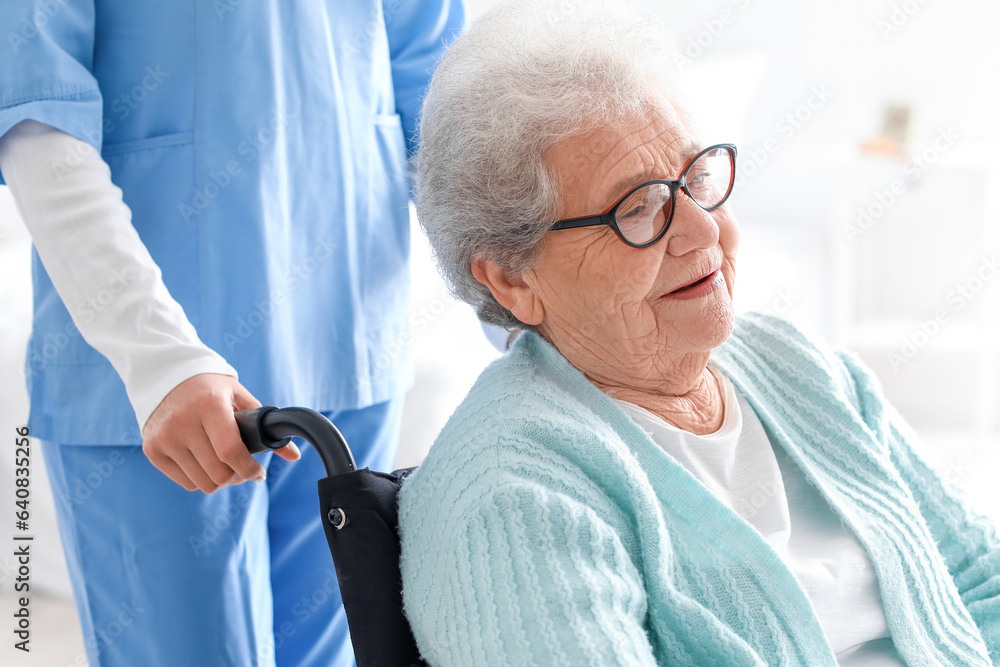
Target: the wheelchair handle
pixel 270 427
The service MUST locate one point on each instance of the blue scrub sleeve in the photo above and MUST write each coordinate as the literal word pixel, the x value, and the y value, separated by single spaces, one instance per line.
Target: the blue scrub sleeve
pixel 46 67
pixel 418 33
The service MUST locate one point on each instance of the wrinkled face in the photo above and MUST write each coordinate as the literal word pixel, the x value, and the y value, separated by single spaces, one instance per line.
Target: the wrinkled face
pixel 614 310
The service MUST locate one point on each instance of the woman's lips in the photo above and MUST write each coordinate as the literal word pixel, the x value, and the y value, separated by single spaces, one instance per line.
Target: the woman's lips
pixel 699 288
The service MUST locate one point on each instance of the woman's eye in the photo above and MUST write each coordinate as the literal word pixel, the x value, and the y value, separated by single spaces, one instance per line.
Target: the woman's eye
pixel 700 179
pixel 634 211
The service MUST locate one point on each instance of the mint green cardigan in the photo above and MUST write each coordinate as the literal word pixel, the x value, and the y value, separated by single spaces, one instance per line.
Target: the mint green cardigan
pixel 546 528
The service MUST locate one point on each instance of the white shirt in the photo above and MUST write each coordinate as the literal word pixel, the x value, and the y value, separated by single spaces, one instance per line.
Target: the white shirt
pixel 112 288
pixel 764 486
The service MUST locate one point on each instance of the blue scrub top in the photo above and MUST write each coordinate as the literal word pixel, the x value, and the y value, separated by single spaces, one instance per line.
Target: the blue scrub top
pixel 262 147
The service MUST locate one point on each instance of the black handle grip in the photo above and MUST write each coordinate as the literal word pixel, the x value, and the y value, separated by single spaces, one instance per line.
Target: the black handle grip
pixel 252 432
pixel 269 427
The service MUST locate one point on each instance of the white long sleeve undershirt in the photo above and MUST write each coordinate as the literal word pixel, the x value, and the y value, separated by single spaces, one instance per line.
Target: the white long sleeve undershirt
pixel 82 230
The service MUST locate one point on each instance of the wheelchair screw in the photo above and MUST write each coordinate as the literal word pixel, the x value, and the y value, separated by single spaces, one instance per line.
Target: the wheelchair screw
pixel 337 518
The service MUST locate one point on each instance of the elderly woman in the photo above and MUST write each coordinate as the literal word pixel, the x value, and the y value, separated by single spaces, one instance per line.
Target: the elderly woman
pixel 645 478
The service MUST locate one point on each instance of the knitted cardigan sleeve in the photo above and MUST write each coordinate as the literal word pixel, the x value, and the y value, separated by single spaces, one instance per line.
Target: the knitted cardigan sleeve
pixel 967 540
pixel 535 577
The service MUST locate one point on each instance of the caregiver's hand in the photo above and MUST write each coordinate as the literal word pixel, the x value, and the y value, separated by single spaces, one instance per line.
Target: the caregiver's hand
pixel 193 439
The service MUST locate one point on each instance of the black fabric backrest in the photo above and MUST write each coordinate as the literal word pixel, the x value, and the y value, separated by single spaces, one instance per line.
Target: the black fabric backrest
pixel 366 556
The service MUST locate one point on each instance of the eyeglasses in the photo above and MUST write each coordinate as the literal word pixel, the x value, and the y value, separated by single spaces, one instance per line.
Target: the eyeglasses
pixel 642 216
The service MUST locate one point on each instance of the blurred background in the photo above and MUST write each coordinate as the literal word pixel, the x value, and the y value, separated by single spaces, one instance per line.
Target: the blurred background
pixel 869 201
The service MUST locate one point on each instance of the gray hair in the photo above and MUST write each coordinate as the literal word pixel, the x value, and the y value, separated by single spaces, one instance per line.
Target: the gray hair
pixel 520 79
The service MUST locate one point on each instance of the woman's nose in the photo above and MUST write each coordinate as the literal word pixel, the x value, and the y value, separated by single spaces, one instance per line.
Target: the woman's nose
pixel 693 228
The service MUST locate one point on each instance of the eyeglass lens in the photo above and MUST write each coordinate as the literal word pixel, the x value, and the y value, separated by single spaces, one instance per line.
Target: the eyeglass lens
pixel 643 214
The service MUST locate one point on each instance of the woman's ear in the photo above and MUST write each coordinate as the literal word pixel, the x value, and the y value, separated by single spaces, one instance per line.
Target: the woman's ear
pixel 511 292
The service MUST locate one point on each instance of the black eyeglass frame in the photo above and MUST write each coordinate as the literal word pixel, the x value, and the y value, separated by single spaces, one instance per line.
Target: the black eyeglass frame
pixel 608 216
